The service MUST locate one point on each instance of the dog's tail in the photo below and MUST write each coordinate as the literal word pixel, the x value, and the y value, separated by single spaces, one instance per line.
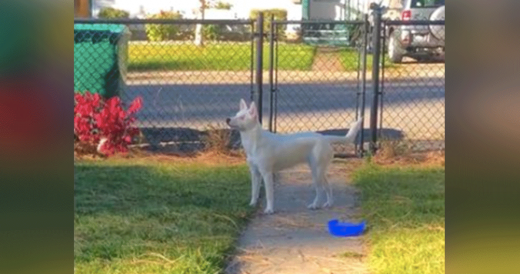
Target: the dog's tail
pixel 351 134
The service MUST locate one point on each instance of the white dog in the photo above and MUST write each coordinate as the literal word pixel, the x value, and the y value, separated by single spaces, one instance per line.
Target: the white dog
pixel 268 153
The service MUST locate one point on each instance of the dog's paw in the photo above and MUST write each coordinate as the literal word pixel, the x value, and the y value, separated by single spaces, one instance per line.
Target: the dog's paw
pixel 313 206
pixel 252 203
pixel 268 211
pixel 327 204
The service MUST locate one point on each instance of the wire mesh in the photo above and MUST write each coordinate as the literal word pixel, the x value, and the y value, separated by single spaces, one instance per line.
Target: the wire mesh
pixel 192 73
pixel 189 82
pixel 318 76
pixel 413 85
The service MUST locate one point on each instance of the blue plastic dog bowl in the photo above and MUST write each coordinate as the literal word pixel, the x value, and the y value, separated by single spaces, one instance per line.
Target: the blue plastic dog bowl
pixel 345 229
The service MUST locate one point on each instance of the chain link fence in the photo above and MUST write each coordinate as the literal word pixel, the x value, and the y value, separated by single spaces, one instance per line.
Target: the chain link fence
pixel 316 76
pixel 413 85
pixel 189 82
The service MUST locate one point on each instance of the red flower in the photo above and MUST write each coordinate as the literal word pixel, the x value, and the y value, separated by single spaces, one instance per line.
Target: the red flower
pixel 95 117
pixel 136 105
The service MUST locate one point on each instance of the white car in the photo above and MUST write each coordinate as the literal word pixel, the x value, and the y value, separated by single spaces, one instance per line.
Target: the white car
pixel 421 42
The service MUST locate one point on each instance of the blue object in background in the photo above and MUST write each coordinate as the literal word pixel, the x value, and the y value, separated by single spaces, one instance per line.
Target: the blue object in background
pixel 345 229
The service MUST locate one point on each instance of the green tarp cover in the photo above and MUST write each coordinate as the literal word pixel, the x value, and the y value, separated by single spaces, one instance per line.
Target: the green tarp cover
pixel 99 54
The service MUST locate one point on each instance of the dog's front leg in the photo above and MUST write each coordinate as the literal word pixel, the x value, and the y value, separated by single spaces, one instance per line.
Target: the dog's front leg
pixel 269 192
pixel 256 182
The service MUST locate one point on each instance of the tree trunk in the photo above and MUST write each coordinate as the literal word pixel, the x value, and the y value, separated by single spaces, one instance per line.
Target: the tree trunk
pixel 198 35
pixel 199 41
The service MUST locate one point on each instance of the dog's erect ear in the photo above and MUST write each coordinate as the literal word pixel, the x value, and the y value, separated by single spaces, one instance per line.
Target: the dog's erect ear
pixel 243 104
pixel 252 110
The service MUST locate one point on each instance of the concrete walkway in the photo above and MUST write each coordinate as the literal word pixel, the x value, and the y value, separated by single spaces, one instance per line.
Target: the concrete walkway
pixel 295 239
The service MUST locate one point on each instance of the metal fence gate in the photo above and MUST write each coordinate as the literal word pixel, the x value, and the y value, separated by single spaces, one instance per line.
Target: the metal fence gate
pixel 406 101
pixel 325 93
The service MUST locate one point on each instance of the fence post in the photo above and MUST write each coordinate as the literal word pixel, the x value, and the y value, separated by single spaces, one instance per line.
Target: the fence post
pixel 259 62
pixel 361 151
pixel 376 44
pixel 271 72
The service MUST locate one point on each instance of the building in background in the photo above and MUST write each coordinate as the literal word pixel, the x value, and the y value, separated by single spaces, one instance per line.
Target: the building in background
pixel 337 10
pixel 240 9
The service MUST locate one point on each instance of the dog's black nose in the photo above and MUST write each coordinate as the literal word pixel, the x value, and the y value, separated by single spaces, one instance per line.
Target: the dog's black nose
pixel 228 120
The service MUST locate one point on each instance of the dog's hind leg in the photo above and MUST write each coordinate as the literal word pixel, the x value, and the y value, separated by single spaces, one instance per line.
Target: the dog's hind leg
pixel 325 160
pixel 328 189
pixel 316 182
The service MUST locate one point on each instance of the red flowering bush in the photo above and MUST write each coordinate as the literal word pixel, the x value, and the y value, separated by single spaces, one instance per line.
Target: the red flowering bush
pixel 97 119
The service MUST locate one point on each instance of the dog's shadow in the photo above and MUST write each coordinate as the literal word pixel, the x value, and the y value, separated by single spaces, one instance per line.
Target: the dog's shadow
pixel 191 140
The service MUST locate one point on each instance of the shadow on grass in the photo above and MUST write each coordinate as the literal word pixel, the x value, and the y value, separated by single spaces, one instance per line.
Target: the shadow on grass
pixel 391 133
pixel 184 140
pixel 189 140
pixel 127 212
pixel 166 64
pixel 123 189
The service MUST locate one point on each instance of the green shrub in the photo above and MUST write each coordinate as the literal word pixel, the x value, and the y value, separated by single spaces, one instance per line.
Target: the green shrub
pixel 279 15
pixel 162 32
pixel 222 6
pixel 111 13
pixel 211 32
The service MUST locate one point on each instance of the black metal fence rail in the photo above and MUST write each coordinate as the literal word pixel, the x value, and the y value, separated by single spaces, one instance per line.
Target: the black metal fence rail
pixel 162 21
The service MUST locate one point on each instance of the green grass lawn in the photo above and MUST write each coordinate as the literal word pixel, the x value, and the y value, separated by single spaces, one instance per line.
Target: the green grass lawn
pixel 216 56
pixel 404 208
pixel 349 59
pixel 151 217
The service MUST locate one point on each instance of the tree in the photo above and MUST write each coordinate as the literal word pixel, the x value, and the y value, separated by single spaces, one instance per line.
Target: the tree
pixel 207 4
pixel 198 29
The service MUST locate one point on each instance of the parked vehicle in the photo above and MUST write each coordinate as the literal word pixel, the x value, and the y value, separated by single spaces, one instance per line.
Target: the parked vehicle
pixel 389 13
pixel 424 42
